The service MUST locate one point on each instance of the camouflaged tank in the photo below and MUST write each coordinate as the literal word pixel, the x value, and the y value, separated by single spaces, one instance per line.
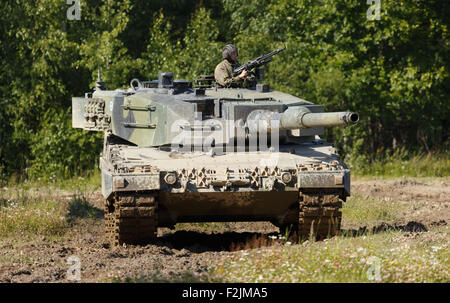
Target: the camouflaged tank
pixel 173 153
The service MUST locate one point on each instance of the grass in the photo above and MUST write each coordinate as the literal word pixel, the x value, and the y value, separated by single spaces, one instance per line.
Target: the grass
pixel 386 257
pixel 156 277
pixel 431 165
pixel 39 212
pixel 362 210
pixel 25 215
pixel 39 207
pixel 89 181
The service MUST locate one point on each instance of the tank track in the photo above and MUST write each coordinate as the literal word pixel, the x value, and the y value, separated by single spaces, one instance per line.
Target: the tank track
pixel 319 214
pixel 131 218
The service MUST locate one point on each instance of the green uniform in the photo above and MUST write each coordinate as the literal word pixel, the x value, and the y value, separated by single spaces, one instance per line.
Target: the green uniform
pixel 224 75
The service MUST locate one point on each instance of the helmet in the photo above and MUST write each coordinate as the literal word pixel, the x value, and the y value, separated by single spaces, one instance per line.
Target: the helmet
pixel 228 50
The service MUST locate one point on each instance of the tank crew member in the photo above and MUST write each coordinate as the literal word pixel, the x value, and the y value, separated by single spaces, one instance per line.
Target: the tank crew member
pixel 224 70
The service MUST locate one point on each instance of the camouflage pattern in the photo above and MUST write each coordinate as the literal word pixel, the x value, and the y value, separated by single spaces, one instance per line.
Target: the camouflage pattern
pixel 153 175
pixel 228 50
pixel 224 75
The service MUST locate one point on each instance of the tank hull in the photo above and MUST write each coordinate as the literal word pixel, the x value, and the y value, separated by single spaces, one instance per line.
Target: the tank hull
pixel 221 187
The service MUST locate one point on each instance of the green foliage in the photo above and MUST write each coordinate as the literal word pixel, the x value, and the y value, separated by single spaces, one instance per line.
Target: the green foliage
pixel 160 52
pixel 36 56
pixel 60 151
pixel 103 49
pixel 201 51
pixel 196 54
pixel 394 71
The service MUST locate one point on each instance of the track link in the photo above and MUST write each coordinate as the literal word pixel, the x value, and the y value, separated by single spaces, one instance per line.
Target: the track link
pixel 319 214
pixel 131 218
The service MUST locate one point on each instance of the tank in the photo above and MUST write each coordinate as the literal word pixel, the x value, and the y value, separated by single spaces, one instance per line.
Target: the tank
pixel 174 152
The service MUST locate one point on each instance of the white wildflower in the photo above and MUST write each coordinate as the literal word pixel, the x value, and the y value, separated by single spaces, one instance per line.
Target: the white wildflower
pixel 435 248
pixel 361 250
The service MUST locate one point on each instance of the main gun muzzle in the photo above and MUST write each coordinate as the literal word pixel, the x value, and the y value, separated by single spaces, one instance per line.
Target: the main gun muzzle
pixel 297 117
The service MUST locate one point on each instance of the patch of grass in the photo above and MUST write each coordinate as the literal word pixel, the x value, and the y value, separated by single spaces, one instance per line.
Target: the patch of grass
pixel 91 180
pixel 184 277
pixel 16 259
pixel 386 257
pixel 430 165
pixel 79 207
pixel 361 210
pixel 23 215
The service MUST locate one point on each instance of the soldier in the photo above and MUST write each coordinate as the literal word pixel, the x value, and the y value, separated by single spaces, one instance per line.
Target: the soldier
pixel 224 70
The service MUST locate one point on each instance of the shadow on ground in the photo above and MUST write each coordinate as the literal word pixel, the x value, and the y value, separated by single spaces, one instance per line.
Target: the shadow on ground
pixel 79 207
pixel 412 226
pixel 198 242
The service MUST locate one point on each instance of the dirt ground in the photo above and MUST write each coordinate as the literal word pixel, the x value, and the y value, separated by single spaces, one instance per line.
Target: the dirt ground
pixel 425 202
pixel 189 249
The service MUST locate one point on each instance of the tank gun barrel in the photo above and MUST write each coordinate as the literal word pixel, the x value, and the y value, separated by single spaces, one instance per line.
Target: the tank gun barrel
pixel 298 117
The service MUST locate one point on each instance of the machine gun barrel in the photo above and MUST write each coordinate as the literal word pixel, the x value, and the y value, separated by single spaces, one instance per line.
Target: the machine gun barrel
pixel 261 60
pixel 297 117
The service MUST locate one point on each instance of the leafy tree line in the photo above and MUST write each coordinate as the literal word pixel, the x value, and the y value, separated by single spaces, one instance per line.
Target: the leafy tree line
pixel 393 71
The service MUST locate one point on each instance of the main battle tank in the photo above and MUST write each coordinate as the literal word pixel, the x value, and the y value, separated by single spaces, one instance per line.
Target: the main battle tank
pixel 177 153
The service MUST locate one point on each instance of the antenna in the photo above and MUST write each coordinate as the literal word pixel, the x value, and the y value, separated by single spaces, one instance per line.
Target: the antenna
pixel 99 84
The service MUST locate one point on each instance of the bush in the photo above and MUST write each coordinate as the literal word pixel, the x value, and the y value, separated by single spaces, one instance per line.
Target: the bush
pixel 59 151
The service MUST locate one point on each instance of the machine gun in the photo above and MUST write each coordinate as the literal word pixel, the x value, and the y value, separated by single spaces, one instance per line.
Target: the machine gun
pixel 261 60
